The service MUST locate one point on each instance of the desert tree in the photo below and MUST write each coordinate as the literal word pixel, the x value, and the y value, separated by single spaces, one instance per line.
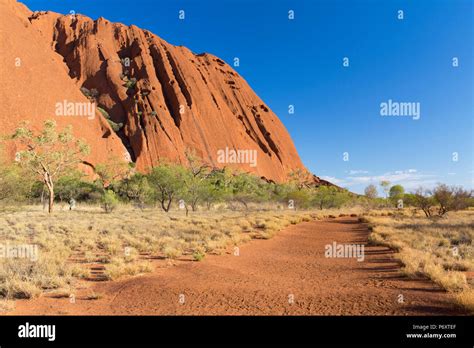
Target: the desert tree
pixel 396 193
pixel 330 197
pixel 321 197
pixel 246 188
pixel 109 201
pixel 49 154
pixel 16 184
pixel 168 181
pixel 423 199
pixel 298 197
pixel 371 191
pixel 385 184
pixel 300 178
pixel 196 181
pixel 216 187
pixel 136 188
pixel 297 188
pixel 112 171
pixel 450 198
pixel 70 186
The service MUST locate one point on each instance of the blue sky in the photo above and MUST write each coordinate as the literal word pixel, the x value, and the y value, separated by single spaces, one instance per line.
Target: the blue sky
pixel 337 108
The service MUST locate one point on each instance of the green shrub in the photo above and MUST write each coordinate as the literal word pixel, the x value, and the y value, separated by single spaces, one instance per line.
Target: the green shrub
pixel 86 92
pixel 198 255
pixel 109 201
pixel 131 83
pixel 115 126
pixel 90 93
pixel 103 112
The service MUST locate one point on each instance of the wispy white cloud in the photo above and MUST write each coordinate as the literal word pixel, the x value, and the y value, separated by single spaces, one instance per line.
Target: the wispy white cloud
pixel 357 172
pixel 409 178
pixel 334 180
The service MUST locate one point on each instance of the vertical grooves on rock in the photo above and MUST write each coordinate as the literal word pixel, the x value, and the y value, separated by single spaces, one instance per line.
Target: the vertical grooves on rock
pixel 211 100
pixel 212 94
pixel 267 136
pixel 169 96
pixel 248 125
pixel 161 125
pixel 177 74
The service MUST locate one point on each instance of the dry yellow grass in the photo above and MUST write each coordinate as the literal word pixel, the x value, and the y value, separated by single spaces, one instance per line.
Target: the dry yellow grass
pixel 70 243
pixel 441 248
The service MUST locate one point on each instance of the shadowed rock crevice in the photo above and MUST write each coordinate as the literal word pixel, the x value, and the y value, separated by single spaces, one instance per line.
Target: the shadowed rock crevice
pixel 166 81
pixel 266 134
pixel 179 78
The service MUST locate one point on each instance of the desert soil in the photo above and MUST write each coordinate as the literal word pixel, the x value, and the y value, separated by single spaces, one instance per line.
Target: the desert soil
pixel 262 280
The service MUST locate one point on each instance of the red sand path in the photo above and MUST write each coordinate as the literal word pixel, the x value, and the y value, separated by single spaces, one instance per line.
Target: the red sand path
pixel 262 279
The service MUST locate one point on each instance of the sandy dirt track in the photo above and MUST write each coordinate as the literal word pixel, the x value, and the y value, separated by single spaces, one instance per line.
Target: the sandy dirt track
pixel 263 280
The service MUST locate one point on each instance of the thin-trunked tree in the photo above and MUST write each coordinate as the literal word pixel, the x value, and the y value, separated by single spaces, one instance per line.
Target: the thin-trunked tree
pixel 49 154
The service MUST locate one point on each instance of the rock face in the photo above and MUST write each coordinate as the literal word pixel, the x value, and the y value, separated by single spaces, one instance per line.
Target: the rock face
pixel 34 80
pixel 162 100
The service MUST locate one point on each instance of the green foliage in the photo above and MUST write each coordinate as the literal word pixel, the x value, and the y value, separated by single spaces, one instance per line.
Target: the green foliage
pixel 198 255
pixel 385 184
pixel 15 183
pixel 326 197
pixel 49 154
pixel 103 112
pixel 216 187
pixel 299 198
pixel 300 178
pixel 111 172
pixel 91 94
pixel 409 200
pixel 396 193
pixel 131 83
pixel 396 190
pixel 51 157
pixel 246 188
pixel 109 201
pixel 168 180
pixel 136 189
pixel 115 126
pixel 74 186
pixel 86 92
pixel 201 184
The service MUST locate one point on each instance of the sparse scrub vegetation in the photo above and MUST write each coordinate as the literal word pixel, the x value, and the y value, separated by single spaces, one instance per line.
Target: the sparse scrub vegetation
pixel 193 210
pixel 125 241
pixel 440 249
